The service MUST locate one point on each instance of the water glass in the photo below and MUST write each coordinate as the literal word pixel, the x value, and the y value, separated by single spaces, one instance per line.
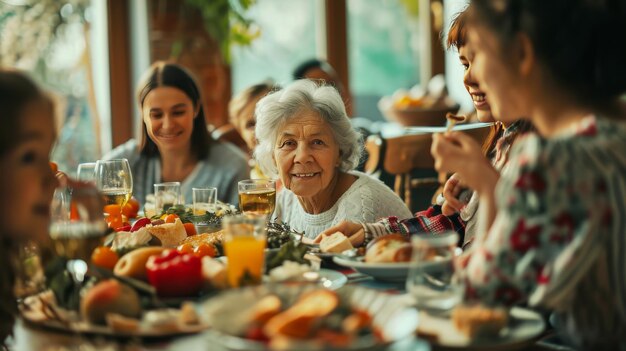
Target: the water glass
pixel 204 200
pixel 244 245
pixel 257 196
pixel 431 279
pixel 86 172
pixel 166 195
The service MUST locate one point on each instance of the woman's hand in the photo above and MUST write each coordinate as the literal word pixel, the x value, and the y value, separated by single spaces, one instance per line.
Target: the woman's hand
pixel 451 191
pixel 354 232
pixel 459 153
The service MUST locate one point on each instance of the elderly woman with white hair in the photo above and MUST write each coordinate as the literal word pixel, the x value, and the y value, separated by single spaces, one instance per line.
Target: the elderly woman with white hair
pixel 305 138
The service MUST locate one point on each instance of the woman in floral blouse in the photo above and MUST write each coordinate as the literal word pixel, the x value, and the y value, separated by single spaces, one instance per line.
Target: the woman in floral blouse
pixel 555 227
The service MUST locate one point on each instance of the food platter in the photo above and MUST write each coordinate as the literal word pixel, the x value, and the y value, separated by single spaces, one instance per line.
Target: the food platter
pixel 391 272
pixel 225 314
pixel 40 310
pixel 523 328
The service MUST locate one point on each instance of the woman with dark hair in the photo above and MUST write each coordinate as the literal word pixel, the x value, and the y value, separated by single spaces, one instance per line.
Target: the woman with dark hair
pixel 175 144
pixel 26 181
pixel 555 224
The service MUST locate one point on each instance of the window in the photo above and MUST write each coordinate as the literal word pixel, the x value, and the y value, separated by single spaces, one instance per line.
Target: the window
pixel 383 51
pixel 288 37
pixel 60 43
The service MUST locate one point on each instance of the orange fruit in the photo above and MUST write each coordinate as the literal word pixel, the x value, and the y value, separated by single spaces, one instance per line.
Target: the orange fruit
pixel 190 229
pixel 104 257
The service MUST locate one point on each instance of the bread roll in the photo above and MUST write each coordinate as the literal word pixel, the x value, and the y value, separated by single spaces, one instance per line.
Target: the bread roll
pixel 170 234
pixel 479 320
pixel 133 264
pixel 389 248
pixel 335 243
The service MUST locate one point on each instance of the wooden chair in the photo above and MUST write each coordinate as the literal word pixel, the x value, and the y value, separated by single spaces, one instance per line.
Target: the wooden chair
pixel 402 156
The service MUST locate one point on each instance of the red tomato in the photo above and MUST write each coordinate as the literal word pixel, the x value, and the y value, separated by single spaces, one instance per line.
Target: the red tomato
pixel 205 250
pixel 190 229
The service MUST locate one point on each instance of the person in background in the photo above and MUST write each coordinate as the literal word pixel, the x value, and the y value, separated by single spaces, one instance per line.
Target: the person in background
pixel 555 223
pixel 241 113
pixel 305 138
pixel 321 70
pixel 27 181
pixel 458 206
pixel 175 144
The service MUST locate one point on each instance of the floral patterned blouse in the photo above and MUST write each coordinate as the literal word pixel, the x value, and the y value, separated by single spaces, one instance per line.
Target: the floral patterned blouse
pixel 559 238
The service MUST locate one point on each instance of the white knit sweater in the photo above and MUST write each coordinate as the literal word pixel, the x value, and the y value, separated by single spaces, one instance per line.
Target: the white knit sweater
pixel 366 200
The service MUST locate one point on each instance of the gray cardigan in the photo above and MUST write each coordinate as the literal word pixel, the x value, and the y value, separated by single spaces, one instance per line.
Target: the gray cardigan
pixel 223 168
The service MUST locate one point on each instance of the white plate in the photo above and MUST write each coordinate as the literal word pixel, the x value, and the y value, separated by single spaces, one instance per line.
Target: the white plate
pixel 524 327
pixel 226 313
pixel 392 272
pixel 32 311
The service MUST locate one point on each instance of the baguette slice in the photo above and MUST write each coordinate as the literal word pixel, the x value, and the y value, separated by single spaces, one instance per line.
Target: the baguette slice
pixel 335 243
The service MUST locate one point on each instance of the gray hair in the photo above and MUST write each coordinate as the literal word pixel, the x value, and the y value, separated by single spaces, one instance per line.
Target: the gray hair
pixel 277 108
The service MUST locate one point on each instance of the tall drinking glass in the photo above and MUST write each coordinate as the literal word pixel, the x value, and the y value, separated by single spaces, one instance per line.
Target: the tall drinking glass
pixel 244 245
pixel 166 195
pixel 432 280
pixel 86 172
pixel 257 196
pixel 115 181
pixel 204 201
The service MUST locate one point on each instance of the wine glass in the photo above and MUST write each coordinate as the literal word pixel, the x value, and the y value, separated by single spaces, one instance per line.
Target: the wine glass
pixel 77 226
pixel 257 196
pixel 86 172
pixel 115 181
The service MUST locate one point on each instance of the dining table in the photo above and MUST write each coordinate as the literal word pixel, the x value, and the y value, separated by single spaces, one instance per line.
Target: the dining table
pixel 28 336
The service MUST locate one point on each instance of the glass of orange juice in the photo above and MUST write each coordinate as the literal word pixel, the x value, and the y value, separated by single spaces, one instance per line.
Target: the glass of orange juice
pixel 244 245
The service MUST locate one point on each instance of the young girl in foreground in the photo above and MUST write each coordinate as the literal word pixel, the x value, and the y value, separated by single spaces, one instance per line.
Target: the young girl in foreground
pixel 26 181
pixel 556 223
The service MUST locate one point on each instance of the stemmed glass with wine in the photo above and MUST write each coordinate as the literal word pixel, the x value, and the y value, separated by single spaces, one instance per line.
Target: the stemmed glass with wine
pixel 114 181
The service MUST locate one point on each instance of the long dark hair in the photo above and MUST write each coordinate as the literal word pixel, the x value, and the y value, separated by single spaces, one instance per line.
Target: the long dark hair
pixel 164 74
pixel 574 41
pixel 16 92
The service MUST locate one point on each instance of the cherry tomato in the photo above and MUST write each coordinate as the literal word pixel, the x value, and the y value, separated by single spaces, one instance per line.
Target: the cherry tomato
pixel 170 218
pixel 113 210
pixel 131 209
pixel 104 257
pixel 190 229
pixel 205 250
pixel 185 249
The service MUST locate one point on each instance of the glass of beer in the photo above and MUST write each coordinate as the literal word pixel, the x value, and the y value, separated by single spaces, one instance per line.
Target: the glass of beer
pixel 76 225
pixel 244 245
pixel 257 196
pixel 115 181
